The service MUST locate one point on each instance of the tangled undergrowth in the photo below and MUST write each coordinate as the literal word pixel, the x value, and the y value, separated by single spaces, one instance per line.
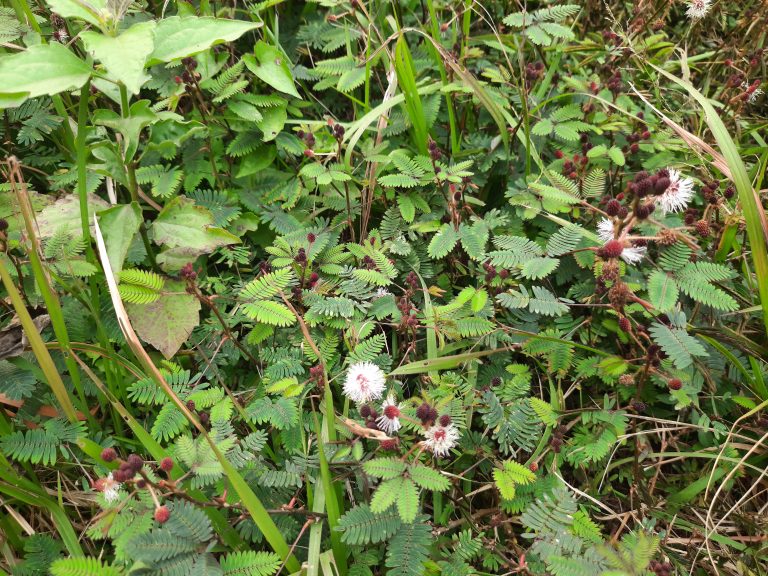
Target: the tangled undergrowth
pixel 405 288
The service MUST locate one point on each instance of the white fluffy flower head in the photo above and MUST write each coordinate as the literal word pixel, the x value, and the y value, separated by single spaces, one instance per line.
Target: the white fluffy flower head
pixel 389 421
pixel 677 195
pixel 365 382
pixel 381 292
pixel 633 254
pixel 605 230
pixel 630 254
pixel 440 439
pixel 109 487
pixel 698 8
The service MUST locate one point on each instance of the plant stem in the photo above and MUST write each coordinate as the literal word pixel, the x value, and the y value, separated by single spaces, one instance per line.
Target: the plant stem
pixel 132 186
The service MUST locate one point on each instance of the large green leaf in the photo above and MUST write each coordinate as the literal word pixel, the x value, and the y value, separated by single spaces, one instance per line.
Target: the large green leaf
pixel 270 66
pixel 65 213
pixel 187 231
pixel 124 56
pixel 166 323
pixel 91 11
pixel 178 37
pixel 272 122
pixel 41 70
pixel 119 226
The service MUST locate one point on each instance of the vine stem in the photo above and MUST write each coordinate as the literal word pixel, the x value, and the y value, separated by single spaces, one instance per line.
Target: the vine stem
pixel 132 185
pixel 227 331
pixel 328 396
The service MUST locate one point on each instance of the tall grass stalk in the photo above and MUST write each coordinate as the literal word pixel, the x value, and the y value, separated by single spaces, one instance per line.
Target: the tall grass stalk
pixel 250 501
pixel 43 281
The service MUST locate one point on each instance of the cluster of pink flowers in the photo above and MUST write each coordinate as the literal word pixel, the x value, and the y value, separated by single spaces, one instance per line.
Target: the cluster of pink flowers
pixel 671 192
pixel 365 382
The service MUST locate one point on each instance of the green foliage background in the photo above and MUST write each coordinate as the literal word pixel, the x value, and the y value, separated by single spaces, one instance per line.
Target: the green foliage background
pixel 211 212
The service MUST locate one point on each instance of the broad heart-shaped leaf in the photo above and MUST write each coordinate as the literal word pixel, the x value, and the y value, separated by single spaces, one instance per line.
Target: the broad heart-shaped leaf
pixel 65 213
pixel 41 70
pixel 662 290
pixel 270 66
pixel 166 323
pixel 187 231
pixel 178 37
pixel 119 225
pixel 123 56
pixel 90 11
pixel 272 121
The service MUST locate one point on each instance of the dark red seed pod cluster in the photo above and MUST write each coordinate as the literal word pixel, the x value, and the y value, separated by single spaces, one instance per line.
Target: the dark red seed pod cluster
pixel 703 228
pixel 390 444
pixel 108 455
pixel 661 568
pixel 188 76
pixel 612 207
pixel 612 37
pixel 128 468
pixel 614 83
pixel 187 272
pixel 556 442
pixel 427 414
pixel 625 324
pixel 534 71
pixel 434 151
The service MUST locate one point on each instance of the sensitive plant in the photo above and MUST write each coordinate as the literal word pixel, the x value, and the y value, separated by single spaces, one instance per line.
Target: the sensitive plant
pixel 367 288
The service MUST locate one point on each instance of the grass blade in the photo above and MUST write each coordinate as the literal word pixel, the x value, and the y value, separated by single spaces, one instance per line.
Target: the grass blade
pixel 38 346
pixel 250 501
pixel 406 77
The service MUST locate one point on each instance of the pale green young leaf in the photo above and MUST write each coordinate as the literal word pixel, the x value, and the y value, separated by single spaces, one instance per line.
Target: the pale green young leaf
pixel 178 37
